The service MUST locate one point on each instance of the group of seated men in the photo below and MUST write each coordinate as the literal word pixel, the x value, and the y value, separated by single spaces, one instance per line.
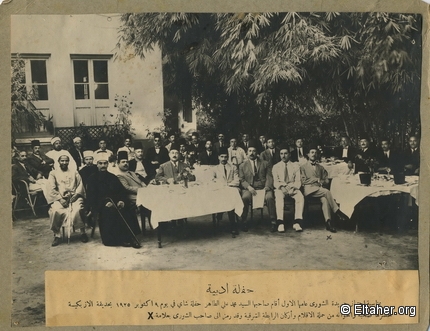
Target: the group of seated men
pixel 81 183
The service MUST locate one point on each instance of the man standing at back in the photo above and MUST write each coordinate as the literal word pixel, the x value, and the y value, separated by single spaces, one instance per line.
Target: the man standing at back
pixel 208 156
pixel 299 153
pixel 76 152
pixel 271 154
pixel 155 156
pixel 127 147
pixel 58 151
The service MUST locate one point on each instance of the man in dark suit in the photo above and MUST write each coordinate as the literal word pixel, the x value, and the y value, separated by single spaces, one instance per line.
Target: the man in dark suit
pixel 39 160
pixel 23 171
pixel 208 156
pixel 299 153
pixel 271 154
pixel 104 190
pixel 255 174
pixel 389 160
pixel 76 152
pixel 89 167
pixel 262 144
pixel 172 141
pixel 171 171
pixel 195 146
pixel 315 180
pixel 412 157
pixel 245 143
pixel 155 156
pixel 220 143
pixel 137 164
pixel 364 156
pixel 345 151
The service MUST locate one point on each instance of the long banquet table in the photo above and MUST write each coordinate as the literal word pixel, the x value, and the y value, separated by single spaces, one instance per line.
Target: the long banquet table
pixel 348 192
pixel 171 202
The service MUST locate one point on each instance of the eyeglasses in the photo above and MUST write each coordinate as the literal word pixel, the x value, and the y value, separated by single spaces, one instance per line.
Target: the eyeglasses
pixel 156 139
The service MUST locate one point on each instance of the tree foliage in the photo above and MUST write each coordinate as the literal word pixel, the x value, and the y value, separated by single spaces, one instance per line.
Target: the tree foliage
pixel 310 74
pixel 25 115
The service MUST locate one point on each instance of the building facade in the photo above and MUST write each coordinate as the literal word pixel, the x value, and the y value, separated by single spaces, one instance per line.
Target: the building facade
pixel 79 74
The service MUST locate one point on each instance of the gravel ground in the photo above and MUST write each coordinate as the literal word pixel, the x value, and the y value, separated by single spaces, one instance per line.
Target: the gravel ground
pixel 195 246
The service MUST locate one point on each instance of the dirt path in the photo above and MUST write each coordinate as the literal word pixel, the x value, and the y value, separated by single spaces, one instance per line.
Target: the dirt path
pixel 196 247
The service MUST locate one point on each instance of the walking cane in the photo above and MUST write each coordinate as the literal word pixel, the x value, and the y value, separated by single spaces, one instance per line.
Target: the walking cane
pixel 69 216
pixel 128 226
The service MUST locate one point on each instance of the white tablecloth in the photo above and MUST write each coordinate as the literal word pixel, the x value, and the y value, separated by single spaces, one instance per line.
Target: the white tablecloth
pixel 348 192
pixel 335 169
pixel 170 202
pixel 203 173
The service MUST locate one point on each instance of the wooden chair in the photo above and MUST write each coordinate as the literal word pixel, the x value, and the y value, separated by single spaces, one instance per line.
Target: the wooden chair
pixel 20 189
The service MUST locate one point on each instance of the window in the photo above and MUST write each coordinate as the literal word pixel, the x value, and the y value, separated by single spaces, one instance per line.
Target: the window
pixel 91 78
pixel 35 74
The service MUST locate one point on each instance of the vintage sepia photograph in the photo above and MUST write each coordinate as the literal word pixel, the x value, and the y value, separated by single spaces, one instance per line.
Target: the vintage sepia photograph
pixel 212 141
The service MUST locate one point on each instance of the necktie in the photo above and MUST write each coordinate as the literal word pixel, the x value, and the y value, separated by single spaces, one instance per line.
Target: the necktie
pixel 300 152
pixel 271 151
pixel 225 172
pixel 255 167
pixel 386 155
pixel 286 174
pixel 220 144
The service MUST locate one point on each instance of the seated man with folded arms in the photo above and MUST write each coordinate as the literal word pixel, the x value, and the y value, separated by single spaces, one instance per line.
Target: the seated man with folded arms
pixel 314 178
pixel 227 174
pixel 287 183
pixel 255 174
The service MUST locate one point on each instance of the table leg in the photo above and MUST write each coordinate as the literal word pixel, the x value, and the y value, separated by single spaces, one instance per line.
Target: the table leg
pixel 159 235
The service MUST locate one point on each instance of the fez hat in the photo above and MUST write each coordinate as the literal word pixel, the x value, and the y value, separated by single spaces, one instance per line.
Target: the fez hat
pixel 122 155
pixel 35 143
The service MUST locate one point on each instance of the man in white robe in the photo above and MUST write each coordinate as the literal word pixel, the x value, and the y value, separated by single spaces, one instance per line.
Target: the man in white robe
pixel 65 193
pixel 58 151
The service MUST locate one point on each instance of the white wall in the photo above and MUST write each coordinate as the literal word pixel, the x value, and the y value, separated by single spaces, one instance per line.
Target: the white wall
pixel 62 35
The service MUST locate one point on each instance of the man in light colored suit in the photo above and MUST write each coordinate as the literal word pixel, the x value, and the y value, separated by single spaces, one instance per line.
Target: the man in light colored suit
pixel 236 155
pixel 255 174
pixel 132 183
pixel 287 183
pixel 228 175
pixel 128 179
pixel 314 178
pixel 170 171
